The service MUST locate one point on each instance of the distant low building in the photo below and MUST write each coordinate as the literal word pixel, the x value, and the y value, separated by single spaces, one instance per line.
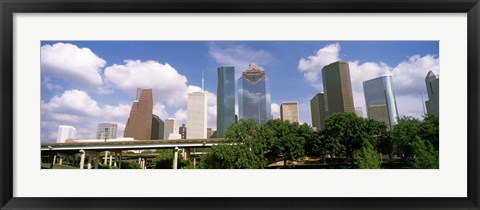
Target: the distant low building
pixel 66 132
pixel 106 130
pixel 289 111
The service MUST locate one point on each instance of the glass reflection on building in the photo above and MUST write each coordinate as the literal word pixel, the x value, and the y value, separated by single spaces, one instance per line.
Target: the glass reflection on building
pixel 225 99
pixel 380 100
pixel 253 95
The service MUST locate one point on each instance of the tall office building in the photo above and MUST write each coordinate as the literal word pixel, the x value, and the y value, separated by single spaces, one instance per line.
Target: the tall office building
pixel 338 88
pixel 432 82
pixel 107 130
pixel 289 111
pixel 225 99
pixel 359 111
pixel 158 127
pixel 139 124
pixel 183 131
pixel 171 130
pixel 254 95
pixel 380 100
pixel 66 132
pixel 197 116
pixel 317 106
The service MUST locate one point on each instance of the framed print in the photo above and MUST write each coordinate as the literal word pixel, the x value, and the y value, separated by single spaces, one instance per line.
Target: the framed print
pixel 261 105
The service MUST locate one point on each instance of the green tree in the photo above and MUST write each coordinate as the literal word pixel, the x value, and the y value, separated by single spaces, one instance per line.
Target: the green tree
pixel 243 148
pixel 429 130
pixel 345 131
pixel 368 158
pixel 164 160
pixel 425 155
pixel 288 139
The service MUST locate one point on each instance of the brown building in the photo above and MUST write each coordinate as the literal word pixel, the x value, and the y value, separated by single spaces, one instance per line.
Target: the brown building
pixel 338 88
pixel 289 111
pixel 139 124
pixel 317 106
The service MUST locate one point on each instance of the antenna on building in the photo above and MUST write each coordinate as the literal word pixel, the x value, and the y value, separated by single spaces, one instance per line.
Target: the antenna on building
pixel 202 80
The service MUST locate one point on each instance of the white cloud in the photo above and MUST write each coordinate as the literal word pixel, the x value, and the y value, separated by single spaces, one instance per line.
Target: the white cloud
pixel 311 67
pixel 76 108
pixel 78 66
pixel 160 111
pixel 275 109
pixel 238 56
pixel 169 87
pixel 181 115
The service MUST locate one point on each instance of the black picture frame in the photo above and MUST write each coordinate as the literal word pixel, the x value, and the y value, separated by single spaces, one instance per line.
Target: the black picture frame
pixel 9 7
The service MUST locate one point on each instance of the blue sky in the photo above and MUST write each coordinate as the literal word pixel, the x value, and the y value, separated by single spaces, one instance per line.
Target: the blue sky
pixel 87 82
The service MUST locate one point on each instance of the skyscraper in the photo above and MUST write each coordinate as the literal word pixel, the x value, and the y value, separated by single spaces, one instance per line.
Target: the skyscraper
pixel 225 99
pixel 66 132
pixel 197 116
pixel 253 95
pixel 183 131
pixel 359 111
pixel 317 106
pixel 158 127
pixel 338 88
pixel 289 111
pixel 107 130
pixel 432 82
pixel 139 124
pixel 171 129
pixel 380 100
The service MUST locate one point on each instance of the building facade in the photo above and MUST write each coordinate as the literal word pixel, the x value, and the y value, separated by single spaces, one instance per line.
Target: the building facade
pixel 171 130
pixel 253 95
pixel 106 131
pixel 359 111
pixel 197 115
pixel 225 99
pixel 139 124
pixel 66 132
pixel 183 131
pixel 337 88
pixel 380 100
pixel 289 111
pixel 158 127
pixel 317 107
pixel 432 82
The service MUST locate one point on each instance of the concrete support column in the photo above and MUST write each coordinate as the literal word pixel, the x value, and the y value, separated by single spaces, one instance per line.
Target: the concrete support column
pixel 188 151
pixel 139 160
pixel 106 157
pixel 194 162
pixel 54 159
pixel 82 158
pixel 184 154
pixel 61 161
pixel 110 162
pixel 175 157
pixel 89 165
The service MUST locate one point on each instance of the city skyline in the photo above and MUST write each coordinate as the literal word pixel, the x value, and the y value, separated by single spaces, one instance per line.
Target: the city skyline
pixel 105 91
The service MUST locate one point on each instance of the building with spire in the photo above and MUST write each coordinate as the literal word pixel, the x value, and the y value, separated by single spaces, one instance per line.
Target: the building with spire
pixel 254 95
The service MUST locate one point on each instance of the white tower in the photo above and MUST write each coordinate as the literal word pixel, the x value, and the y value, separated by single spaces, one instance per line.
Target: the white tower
pixel 197 116
pixel 66 132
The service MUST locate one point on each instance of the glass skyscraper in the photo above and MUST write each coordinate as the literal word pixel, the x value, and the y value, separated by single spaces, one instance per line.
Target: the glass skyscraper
pixel 380 100
pixel 253 95
pixel 225 99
